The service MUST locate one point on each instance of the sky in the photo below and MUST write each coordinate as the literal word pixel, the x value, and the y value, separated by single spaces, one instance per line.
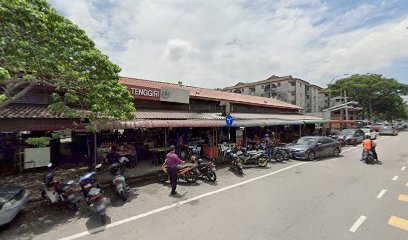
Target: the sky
pixel 217 43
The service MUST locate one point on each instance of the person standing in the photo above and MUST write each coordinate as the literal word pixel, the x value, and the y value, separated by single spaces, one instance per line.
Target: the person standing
pixel 172 161
pixel 269 146
pixel 133 153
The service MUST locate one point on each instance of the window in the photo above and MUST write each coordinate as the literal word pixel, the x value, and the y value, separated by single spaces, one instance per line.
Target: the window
pixel 278 84
pixel 263 86
pixel 292 84
pixel 252 89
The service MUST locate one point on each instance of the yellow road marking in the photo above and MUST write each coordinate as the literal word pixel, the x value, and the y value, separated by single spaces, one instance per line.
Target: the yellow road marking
pixel 406 184
pixel 398 222
pixel 403 197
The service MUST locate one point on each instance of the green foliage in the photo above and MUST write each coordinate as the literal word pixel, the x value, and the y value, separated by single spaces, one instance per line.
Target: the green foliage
pixel 380 97
pixel 39 142
pixel 4 75
pixel 39 46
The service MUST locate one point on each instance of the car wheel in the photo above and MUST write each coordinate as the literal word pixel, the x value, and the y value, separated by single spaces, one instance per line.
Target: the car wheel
pixel 336 152
pixel 311 156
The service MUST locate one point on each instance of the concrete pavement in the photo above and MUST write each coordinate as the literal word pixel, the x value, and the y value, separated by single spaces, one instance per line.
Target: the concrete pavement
pixel 333 198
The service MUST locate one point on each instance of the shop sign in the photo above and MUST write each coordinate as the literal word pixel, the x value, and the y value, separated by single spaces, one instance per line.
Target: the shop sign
pixel 145 93
pixel 169 94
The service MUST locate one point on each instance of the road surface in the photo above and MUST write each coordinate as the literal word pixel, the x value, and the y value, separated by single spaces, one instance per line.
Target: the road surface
pixel 331 198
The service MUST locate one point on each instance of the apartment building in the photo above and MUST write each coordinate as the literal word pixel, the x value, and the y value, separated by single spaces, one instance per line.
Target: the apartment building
pixel 288 89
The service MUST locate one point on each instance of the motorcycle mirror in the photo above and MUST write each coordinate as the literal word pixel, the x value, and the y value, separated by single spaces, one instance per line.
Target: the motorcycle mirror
pixel 49 165
pixel 70 182
pixel 98 166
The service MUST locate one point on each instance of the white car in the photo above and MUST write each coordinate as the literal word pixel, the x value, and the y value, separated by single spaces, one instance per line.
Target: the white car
pixel 12 200
pixel 370 132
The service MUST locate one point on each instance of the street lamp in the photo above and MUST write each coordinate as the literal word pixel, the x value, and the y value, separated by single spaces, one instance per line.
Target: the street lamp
pixel 329 86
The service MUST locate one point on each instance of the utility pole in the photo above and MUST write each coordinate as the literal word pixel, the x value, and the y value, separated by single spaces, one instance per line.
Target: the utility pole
pixel 345 106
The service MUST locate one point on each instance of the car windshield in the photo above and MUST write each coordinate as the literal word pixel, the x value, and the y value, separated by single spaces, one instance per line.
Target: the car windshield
pixel 347 132
pixel 306 141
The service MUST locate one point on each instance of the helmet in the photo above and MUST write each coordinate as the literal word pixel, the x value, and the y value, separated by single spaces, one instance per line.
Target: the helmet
pixel 194 151
pixel 367 136
pixel 266 135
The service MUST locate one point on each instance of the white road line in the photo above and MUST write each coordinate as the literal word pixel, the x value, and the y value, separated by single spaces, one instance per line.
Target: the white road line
pixel 126 220
pixel 381 194
pixel 403 168
pixel 357 224
pixel 352 148
pixel 395 178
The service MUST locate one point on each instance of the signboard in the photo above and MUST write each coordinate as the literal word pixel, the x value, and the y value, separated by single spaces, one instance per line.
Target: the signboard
pixel 177 95
pixel 144 93
pixel 229 120
pixel 165 94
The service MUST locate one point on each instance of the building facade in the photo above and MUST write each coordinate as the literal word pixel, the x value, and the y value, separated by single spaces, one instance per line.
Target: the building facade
pixel 288 89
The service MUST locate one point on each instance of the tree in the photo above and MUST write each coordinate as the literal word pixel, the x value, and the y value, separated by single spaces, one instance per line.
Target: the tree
pixel 39 47
pixel 379 96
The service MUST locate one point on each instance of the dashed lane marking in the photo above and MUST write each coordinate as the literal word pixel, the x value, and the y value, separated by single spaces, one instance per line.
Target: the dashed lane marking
pixel 403 168
pixel 381 194
pixel 357 224
pixel 398 222
pixel 403 197
pixel 395 178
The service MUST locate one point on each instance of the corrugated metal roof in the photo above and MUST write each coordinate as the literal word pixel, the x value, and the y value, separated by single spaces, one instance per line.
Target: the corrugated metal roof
pixel 28 111
pixel 211 94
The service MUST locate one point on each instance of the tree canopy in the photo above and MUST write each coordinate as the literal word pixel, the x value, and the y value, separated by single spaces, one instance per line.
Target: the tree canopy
pixel 39 47
pixel 379 96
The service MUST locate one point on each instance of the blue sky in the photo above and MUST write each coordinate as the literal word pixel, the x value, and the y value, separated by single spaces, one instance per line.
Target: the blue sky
pixel 217 43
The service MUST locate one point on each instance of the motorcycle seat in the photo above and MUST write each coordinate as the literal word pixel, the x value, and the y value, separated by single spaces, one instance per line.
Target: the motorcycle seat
pixel 94 192
pixel 181 166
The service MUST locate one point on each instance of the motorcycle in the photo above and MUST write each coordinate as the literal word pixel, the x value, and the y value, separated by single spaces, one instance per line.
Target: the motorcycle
pixel 253 157
pixel 56 192
pixel 186 171
pixel 235 162
pixel 205 169
pixel 280 154
pixel 342 141
pixel 368 157
pixel 118 172
pixel 94 195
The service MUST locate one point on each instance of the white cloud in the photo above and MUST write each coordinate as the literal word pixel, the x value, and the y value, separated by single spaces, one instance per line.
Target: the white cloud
pixel 218 43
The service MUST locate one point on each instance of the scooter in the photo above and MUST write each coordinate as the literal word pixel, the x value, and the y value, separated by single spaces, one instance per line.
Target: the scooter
pixel 118 172
pixel 186 171
pixel 252 157
pixel 368 157
pixel 280 154
pixel 94 195
pixel 56 192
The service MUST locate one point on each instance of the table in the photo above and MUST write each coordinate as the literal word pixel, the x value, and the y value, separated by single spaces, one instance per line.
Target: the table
pixel 156 151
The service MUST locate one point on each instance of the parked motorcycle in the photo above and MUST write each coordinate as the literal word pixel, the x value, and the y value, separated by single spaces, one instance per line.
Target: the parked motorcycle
pixel 342 140
pixel 205 169
pixel 235 162
pixel 94 195
pixel 253 157
pixel 56 192
pixel 280 154
pixel 187 171
pixel 117 170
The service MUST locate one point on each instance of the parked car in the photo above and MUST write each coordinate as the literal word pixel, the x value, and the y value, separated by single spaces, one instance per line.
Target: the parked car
pixel 352 136
pixel 370 132
pixel 12 200
pixel 388 130
pixel 312 147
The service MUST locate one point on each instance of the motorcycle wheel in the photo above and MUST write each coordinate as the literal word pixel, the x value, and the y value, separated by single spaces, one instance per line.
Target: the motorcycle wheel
pixel 191 176
pixel 239 170
pixel 73 206
pixel 262 162
pixel 123 195
pixel 103 218
pixel 212 176
pixel 279 157
pixel 162 176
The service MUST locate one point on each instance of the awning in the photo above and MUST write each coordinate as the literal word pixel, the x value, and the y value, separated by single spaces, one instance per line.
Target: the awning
pixel 315 121
pixel 262 123
pixel 160 124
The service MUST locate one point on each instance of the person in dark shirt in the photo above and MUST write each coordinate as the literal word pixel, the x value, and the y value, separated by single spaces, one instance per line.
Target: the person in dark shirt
pixel 172 161
pixel 113 156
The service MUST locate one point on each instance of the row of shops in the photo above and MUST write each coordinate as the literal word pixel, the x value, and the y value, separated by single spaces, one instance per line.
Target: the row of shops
pixel 167 114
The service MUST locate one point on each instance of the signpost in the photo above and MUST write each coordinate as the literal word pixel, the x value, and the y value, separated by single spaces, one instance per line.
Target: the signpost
pixel 229 120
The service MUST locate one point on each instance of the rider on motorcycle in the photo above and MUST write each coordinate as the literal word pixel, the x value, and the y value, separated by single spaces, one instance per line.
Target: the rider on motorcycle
pixel 369 145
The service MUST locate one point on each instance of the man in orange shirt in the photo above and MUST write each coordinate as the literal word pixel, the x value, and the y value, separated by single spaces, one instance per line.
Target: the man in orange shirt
pixel 369 145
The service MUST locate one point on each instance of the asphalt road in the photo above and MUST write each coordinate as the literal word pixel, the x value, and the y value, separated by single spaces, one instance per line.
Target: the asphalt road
pixel 332 198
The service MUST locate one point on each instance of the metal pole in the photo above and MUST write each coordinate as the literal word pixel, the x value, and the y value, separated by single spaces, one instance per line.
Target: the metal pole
pixel 345 105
